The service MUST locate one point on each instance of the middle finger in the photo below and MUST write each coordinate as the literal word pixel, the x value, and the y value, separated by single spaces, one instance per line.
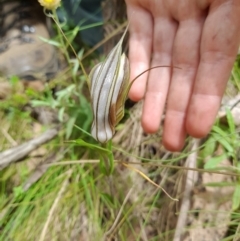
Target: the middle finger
pixel 185 56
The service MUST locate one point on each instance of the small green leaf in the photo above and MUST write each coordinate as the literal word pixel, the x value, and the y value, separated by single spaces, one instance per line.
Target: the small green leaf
pixel 81 142
pixel 209 147
pixel 70 125
pixel 36 103
pixel 219 131
pixel 230 121
pixel 236 198
pixel 49 41
pixel 214 161
pixel 60 114
pixel 225 143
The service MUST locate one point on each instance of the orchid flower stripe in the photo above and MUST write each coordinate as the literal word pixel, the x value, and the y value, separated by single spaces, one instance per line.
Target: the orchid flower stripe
pixel 108 83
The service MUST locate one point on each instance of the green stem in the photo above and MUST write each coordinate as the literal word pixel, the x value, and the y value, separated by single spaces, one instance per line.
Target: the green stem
pixel 108 159
pixel 108 162
pixel 63 36
pixel 60 35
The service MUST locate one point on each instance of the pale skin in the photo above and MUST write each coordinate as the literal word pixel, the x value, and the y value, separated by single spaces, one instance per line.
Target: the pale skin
pixel 199 36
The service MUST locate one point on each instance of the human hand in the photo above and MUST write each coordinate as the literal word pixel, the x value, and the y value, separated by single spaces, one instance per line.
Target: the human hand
pixel 199 36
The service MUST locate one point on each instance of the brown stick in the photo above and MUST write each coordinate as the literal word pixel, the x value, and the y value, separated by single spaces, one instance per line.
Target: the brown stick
pixel 191 178
pixel 17 153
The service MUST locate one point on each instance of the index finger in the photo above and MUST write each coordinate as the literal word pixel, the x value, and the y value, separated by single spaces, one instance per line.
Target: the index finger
pixel 140 47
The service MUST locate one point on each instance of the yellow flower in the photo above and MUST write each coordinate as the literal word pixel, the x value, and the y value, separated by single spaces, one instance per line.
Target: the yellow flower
pixel 50 4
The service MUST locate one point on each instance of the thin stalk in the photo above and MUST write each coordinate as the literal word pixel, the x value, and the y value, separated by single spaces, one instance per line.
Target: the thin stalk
pixel 59 29
pixel 54 16
pixel 108 162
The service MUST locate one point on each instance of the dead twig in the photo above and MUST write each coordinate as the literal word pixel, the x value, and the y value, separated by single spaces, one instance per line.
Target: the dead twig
pixel 17 153
pixel 189 184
